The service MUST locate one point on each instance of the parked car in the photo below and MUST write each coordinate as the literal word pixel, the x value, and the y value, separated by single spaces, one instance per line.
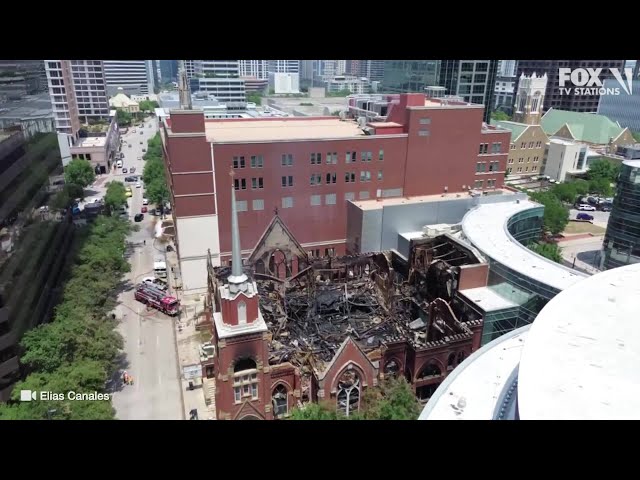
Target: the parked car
pixel 143 210
pixel 606 208
pixel 119 164
pixel 124 170
pixel 145 201
pixel 129 145
pixel 144 149
pixel 141 132
pixel 586 208
pixel 132 170
pixel 138 218
pixel 133 131
pixel 138 185
pixel 584 216
pixel 153 212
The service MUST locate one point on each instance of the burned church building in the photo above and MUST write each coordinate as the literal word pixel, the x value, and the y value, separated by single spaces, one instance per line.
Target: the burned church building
pixel 289 329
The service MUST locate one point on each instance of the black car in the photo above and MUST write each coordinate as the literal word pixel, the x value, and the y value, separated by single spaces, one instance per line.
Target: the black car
pixel 138 218
pixel 584 216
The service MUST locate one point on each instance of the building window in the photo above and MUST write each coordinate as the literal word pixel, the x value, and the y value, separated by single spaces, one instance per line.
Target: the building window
pixel 510 160
pixel 509 170
pixel 478 184
pixel 287 159
pixel 512 146
pixel 484 147
pixel 287 202
pixel 364 195
pixel 241 205
pixel 519 170
pixel 348 397
pixel 425 121
pixel 330 252
pixel 381 155
pixel 238 162
pixel 423 133
pixel 245 377
pixel 534 168
pixel 526 169
pixel 350 196
pixel 523 145
pixel 257 161
pixel 316 158
pixel 332 158
pixel 535 159
pixel 316 200
pixel 240 183
pixel 330 178
pixel 287 181
pixel 279 400
pixel 521 160
pixel 365 156
pixel 365 176
pixel 242 313
pixel 379 174
pixel 330 199
pixel 350 157
pixel 496 147
pixel 491 183
pixel 530 144
pixel 350 177
pixel 258 205
pixel 480 167
pixel 256 183
pixel 316 179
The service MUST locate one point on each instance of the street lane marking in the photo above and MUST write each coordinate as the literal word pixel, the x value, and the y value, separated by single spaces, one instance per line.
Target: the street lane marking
pixel 158 341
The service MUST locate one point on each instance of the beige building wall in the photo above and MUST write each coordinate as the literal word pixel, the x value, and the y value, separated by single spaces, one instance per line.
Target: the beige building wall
pixel 526 152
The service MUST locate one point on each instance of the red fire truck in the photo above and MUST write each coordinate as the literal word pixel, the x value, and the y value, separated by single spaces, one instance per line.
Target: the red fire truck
pixel 156 298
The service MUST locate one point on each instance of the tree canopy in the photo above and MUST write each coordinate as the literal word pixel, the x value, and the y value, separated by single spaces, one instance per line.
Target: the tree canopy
pixel 78 349
pixel 153 175
pixel 116 196
pixel 123 118
pixel 556 216
pixel 392 400
pixel 254 97
pixel 548 250
pixel 499 116
pixel 148 105
pixel 79 172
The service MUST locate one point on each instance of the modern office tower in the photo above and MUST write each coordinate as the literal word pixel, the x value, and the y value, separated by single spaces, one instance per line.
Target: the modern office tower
pixel 473 80
pixel 220 79
pixel 406 76
pixel 559 100
pixel 19 78
pixel 168 71
pixel 622 108
pixel 133 76
pixel 621 244
pixel 507 68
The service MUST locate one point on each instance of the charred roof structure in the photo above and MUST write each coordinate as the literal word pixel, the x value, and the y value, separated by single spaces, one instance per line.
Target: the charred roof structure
pixel 337 325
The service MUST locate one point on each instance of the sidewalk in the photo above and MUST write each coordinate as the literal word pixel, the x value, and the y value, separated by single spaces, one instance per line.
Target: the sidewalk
pixel 188 341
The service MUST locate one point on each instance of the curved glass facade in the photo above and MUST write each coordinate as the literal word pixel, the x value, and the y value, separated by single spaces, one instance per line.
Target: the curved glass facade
pixel 526 226
pixel 622 240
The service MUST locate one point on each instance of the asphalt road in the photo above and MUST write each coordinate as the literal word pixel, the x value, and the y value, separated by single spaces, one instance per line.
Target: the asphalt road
pixel 599 218
pixel 149 336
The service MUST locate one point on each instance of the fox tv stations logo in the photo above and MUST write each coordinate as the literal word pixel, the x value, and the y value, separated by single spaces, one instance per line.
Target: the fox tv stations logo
pixel 588 81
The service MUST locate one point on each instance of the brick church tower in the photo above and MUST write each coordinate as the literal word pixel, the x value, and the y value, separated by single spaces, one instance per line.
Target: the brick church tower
pixel 240 335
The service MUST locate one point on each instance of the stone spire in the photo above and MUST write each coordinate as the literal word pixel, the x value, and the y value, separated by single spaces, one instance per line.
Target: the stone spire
pixel 237 274
pixel 184 93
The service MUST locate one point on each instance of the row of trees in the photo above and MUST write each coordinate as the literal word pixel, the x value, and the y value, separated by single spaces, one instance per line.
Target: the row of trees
pixel 153 175
pixel 392 400
pixel 78 350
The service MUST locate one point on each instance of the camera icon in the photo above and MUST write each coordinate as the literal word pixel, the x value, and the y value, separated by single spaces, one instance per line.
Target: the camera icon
pixel 27 395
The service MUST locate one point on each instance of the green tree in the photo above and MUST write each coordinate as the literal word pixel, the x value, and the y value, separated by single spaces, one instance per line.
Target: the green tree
pixel 123 118
pixel 548 250
pixel 565 192
pixel 636 136
pixel 581 186
pixel 61 200
pixel 603 169
pixel 79 172
pixel 254 97
pixel 340 93
pixel 499 116
pixel 80 377
pixel 556 216
pixel 601 186
pixel 316 411
pixel 393 400
pixel 116 196
pixel 157 191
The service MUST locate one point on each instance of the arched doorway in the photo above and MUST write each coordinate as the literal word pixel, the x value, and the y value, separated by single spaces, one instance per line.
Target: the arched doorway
pixel 250 417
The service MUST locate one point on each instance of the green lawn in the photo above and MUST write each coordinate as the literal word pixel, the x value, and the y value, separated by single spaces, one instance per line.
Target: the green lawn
pixel 583 227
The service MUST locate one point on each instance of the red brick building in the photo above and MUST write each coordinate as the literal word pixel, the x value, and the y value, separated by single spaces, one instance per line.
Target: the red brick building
pixel 338 326
pixel 308 168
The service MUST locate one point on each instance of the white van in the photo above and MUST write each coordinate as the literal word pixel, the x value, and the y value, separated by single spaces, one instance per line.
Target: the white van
pixel 119 164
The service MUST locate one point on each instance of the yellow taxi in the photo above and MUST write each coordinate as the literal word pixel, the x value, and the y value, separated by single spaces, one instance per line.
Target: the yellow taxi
pixel 128 192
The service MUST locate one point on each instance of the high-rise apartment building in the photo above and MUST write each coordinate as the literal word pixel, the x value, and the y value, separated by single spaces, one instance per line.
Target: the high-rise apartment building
pixel 559 100
pixel 78 93
pixel 473 80
pixel 220 79
pixel 372 69
pixel 135 77
pixel 283 66
pixel 253 69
